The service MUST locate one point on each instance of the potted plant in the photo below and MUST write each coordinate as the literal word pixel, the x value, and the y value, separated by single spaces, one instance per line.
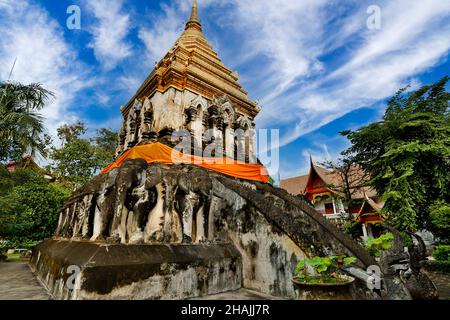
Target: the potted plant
pixel 321 278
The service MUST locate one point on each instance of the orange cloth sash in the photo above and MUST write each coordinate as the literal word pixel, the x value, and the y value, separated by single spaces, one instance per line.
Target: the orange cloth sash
pixel 160 153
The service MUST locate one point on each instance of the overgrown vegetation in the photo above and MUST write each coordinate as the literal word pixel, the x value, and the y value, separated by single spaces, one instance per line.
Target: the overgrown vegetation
pixel 79 158
pixel 407 155
pixel 29 204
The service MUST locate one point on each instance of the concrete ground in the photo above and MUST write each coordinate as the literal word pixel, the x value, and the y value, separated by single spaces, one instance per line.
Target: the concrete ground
pixel 17 282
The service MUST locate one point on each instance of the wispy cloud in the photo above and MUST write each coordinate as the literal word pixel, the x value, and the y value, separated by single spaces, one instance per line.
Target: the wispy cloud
pixel 109 32
pixel 163 30
pixel 316 59
pixel 36 40
pixel 309 62
pixel 414 38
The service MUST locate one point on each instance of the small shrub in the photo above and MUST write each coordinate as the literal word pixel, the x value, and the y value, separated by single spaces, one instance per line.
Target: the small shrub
pixel 442 253
pixel 439 266
pixel 4 246
pixel 440 219
pixel 27 244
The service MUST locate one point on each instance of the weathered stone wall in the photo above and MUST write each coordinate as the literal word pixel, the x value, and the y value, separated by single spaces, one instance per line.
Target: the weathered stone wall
pixel 114 271
pixel 269 256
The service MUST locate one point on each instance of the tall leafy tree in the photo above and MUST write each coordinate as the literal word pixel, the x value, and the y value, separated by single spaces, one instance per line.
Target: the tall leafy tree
pixel 21 126
pixel 105 143
pixel 80 158
pixel 407 154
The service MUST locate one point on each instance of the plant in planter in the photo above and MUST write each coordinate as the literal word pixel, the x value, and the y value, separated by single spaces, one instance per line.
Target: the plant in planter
pixel 325 270
pixel 321 278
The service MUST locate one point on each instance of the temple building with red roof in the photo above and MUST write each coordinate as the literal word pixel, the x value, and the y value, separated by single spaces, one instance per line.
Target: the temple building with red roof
pixel 324 189
pixel 28 162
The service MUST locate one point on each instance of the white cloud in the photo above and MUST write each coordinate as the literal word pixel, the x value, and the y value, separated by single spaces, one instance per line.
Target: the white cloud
pixel 109 32
pixel 164 30
pixel 299 89
pixel 36 40
pixel 414 38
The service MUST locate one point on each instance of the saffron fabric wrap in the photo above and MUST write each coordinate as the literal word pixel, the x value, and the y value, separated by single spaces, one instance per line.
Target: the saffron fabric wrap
pixel 160 153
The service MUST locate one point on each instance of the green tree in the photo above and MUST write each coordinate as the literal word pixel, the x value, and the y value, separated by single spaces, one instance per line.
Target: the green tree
pixel 440 219
pixel 21 126
pixel 407 154
pixel 350 181
pixel 105 143
pixel 29 206
pixel 80 158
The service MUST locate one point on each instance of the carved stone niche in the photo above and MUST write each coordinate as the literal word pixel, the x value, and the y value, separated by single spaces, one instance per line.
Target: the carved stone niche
pixel 121 137
pixel 245 139
pixel 196 115
pixel 147 132
pixel 229 118
pixel 132 125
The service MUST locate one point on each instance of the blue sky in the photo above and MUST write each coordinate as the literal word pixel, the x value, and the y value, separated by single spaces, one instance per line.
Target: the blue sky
pixel 314 65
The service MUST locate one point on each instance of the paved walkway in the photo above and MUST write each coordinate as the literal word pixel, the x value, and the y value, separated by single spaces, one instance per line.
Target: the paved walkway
pixel 17 282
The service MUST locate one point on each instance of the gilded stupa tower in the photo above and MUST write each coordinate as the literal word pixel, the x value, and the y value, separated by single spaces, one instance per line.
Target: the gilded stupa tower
pixel 190 88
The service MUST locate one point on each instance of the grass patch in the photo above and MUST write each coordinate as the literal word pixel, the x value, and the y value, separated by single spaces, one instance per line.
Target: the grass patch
pixel 14 257
pixel 438 266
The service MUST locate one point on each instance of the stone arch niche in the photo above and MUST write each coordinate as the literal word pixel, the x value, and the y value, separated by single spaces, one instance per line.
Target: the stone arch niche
pixel 196 115
pixel 245 139
pixel 121 138
pixel 229 116
pixel 214 134
pixel 132 125
pixel 147 133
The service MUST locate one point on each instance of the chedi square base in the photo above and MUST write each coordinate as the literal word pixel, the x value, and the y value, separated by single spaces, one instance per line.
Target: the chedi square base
pixel 180 231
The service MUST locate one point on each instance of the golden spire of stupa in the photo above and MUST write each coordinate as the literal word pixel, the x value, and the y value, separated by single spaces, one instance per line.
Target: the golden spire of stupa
pixel 194 22
pixel 192 64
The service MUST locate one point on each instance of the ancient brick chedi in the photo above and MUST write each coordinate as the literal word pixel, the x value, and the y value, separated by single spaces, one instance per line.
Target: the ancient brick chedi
pixel 173 231
pixel 190 88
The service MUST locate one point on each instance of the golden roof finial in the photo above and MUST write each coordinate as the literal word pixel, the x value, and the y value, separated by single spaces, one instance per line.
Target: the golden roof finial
pixel 194 22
